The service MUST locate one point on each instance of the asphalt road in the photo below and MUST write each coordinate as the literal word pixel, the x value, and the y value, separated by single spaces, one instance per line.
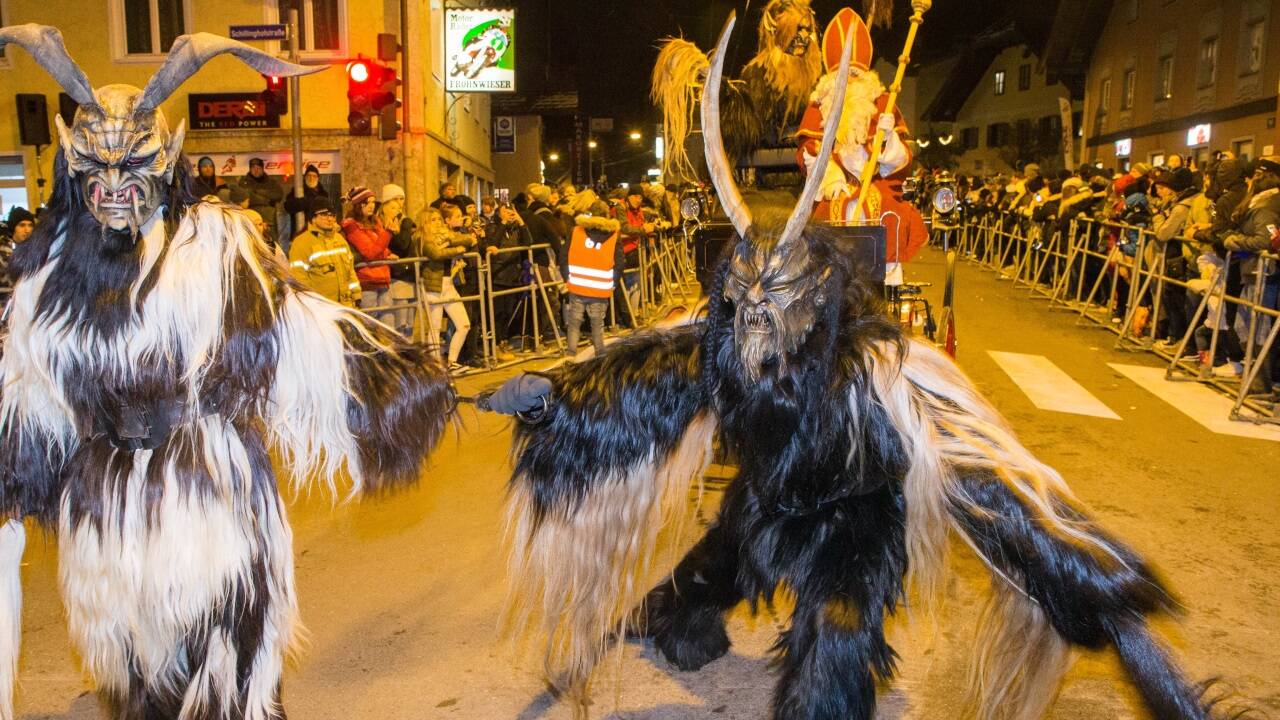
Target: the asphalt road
pixel 401 595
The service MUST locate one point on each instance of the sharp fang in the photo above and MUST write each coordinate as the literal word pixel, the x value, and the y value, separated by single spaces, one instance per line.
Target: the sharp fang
pixel 137 212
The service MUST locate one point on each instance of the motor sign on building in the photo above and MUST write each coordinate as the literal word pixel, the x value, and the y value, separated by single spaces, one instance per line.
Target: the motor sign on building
pixel 1124 147
pixel 480 50
pixel 258 32
pixel 222 111
pixel 504 134
pixel 601 124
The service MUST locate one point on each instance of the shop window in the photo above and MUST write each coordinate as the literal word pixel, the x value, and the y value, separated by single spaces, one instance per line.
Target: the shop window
pixel 1024 77
pixel 1104 97
pixel 1130 83
pixel 969 138
pixel 13 183
pixel 999 82
pixel 148 27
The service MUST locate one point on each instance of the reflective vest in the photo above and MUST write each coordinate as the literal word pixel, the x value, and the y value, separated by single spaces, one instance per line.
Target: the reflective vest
pixel 591 272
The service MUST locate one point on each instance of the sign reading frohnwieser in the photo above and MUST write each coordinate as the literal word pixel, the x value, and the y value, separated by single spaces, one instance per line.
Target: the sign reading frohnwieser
pixel 480 50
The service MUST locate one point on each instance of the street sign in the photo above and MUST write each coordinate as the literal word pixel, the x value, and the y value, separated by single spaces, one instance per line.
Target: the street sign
pixel 601 124
pixel 258 32
pixel 504 134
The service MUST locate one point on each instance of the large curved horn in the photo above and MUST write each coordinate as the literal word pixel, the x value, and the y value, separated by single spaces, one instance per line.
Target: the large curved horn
pixel 713 143
pixel 804 208
pixel 190 52
pixel 46 46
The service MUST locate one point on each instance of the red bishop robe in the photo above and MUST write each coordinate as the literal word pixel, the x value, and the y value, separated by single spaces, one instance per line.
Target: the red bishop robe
pixel 908 234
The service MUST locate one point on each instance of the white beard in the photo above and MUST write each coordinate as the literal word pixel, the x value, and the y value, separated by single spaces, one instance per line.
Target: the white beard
pixel 859 105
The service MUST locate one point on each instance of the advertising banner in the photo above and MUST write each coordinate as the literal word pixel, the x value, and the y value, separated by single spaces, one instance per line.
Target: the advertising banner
pixel 504 134
pixel 223 111
pixel 275 162
pixel 480 50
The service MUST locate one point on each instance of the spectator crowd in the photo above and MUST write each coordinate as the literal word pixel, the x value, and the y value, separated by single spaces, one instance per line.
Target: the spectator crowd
pixel 1186 221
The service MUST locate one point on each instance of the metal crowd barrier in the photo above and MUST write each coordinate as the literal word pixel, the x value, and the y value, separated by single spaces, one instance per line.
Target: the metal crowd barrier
pixel 1083 271
pixel 665 273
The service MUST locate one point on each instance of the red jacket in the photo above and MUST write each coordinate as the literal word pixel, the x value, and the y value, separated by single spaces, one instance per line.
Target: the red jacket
pixel 369 243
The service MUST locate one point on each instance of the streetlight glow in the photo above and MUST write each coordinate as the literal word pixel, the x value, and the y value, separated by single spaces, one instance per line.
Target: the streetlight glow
pixel 593 144
pixel 635 135
pixel 553 157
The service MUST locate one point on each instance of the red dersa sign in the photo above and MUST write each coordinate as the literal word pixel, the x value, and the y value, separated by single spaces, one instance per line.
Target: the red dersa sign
pixel 222 111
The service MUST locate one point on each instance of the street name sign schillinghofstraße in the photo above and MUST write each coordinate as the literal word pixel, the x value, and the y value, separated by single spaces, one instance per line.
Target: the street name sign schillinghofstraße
pixel 258 32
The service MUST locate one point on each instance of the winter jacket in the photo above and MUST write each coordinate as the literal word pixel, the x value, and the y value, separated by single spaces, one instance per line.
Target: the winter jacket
pixel 594 252
pixel 544 228
pixel 323 262
pixel 1171 221
pixel 404 244
pixel 370 243
pixel 441 251
pixel 214 185
pixel 506 269
pixel 294 204
pixel 265 194
pixel 631 225
pixel 1259 227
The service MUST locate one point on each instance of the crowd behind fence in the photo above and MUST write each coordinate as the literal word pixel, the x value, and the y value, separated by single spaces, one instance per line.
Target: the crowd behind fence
pixel 662 280
pixel 1078 270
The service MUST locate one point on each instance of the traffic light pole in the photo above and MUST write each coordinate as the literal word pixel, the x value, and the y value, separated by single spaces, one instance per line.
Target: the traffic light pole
pixel 295 110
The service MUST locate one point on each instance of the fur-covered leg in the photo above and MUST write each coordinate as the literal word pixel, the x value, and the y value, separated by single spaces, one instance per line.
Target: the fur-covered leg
pixel 1059 577
pixel 13 539
pixel 835 650
pixel 685 614
pixel 1091 589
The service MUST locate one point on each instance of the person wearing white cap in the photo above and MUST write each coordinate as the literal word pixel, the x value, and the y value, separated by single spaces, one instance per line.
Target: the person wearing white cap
pixel 391 217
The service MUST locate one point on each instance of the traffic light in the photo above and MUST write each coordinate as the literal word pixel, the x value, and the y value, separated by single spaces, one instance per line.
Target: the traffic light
pixel 276 95
pixel 359 97
pixel 372 90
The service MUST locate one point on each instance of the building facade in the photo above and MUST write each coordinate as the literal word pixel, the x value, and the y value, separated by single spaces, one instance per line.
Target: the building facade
pixel 446 137
pixel 1185 77
pixel 997 120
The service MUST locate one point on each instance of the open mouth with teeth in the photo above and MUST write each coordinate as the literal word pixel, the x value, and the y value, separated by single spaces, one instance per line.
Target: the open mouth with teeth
pixel 757 321
pixel 128 197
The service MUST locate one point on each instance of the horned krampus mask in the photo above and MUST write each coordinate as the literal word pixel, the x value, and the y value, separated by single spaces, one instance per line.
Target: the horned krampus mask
pixel 774 285
pixel 119 146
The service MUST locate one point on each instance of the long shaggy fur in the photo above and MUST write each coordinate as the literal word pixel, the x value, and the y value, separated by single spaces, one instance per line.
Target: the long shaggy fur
pixel 859 452
pixel 175 558
pixel 592 488
pixel 13 539
pixel 677 76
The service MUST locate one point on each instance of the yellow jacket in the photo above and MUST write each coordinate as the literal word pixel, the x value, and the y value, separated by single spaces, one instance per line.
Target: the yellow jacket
pixel 323 262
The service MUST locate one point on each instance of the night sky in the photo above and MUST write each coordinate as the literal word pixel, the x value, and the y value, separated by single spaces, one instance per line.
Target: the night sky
pixel 605 49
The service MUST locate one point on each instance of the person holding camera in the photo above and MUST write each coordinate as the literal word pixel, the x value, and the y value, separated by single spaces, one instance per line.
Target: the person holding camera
pixel 506 272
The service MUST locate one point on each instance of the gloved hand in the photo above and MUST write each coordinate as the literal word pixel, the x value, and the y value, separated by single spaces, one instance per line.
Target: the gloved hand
pixel 886 123
pixel 522 393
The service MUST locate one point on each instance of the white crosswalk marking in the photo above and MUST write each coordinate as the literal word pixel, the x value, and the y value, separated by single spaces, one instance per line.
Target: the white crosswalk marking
pixel 1204 405
pixel 1048 387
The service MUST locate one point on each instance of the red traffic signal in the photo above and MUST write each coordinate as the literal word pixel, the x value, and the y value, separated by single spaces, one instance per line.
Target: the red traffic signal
pixel 371 89
pixel 275 96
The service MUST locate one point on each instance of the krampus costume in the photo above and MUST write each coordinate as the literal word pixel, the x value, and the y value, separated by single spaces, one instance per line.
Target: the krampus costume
pixel 771 95
pixel 154 351
pixel 859 451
